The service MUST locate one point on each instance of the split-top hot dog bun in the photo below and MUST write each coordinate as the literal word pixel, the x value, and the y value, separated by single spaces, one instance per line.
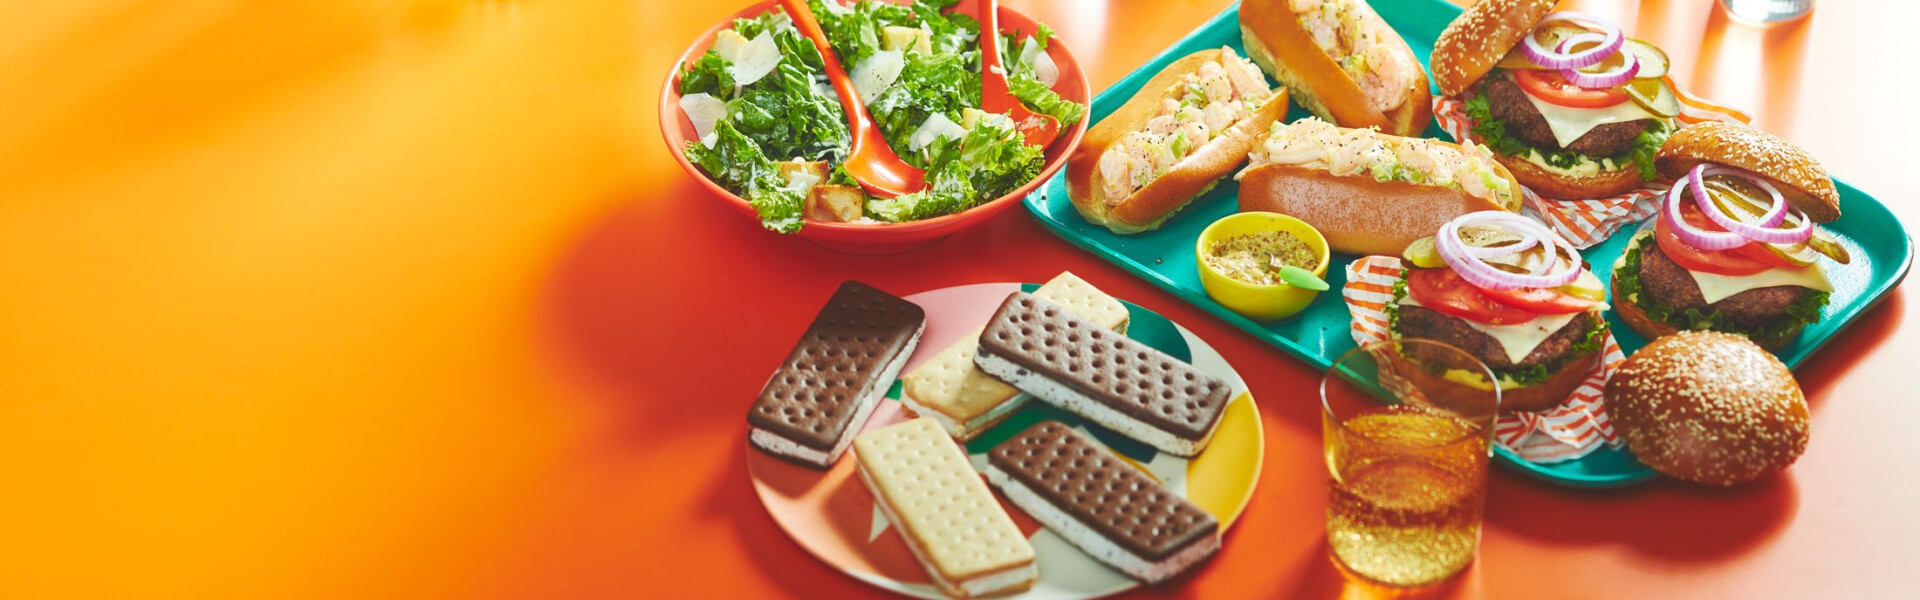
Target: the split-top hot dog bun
pixel 1370 192
pixel 1187 128
pixel 1340 61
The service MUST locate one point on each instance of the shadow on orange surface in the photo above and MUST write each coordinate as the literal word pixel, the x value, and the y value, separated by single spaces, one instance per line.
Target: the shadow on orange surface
pixel 1852 347
pixel 1743 518
pixel 614 302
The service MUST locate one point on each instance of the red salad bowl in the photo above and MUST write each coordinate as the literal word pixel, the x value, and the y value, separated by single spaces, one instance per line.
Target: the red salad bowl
pixel 881 238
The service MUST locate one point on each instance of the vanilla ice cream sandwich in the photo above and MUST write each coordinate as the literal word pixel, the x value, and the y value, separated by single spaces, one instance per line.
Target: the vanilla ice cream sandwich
pixel 835 376
pixel 922 482
pixel 1113 512
pixel 965 401
pixel 1113 380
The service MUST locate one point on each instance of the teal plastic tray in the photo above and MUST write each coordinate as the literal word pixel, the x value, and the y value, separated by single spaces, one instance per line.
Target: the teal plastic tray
pixel 1882 251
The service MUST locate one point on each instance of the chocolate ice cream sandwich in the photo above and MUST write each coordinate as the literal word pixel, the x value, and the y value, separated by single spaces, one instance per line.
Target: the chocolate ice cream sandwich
pixel 967 402
pixel 1113 512
pixel 835 376
pixel 1107 377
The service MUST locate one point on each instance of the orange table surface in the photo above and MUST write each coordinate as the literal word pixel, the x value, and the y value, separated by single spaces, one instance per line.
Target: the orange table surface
pixel 370 298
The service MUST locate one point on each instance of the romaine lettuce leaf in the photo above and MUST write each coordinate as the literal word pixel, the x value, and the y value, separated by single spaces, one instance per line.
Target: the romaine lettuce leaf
pixel 990 161
pixel 737 163
pixel 708 75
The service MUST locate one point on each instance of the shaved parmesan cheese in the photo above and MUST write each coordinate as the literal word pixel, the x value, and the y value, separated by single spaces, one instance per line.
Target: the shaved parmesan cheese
pixel 704 111
pixel 757 59
pixel 936 126
pixel 1569 123
pixel 801 181
pixel 1044 68
pixel 728 43
pixel 708 139
pixel 877 73
pixel 835 7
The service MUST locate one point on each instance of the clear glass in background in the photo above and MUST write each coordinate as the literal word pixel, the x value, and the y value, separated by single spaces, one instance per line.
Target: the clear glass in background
pixel 1407 450
pixel 1767 11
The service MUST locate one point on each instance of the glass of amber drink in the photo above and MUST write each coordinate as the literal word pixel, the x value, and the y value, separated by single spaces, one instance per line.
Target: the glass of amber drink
pixel 1407 426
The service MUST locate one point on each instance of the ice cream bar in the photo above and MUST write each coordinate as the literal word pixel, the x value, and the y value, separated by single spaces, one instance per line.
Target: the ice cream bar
pixel 1113 512
pixel 1107 377
pixel 835 376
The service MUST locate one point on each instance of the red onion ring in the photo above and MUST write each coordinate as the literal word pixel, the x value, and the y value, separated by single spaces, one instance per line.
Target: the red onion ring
pixel 1464 260
pixel 1694 236
pixel 1604 79
pixel 1767 230
pixel 1553 59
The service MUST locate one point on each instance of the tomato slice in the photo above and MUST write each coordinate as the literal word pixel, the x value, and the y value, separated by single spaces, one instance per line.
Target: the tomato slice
pixel 1545 301
pixel 1724 262
pixel 1443 290
pixel 1551 87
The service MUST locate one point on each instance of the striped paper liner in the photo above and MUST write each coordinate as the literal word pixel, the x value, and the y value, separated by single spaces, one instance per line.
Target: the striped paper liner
pixel 1574 429
pixel 1589 222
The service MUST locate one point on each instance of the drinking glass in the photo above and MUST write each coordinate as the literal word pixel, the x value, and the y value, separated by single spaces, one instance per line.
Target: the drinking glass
pixel 1767 11
pixel 1407 426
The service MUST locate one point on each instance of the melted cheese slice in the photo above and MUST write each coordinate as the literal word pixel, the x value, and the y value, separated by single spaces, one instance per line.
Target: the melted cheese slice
pixel 1519 339
pixel 1715 288
pixel 1718 287
pixel 1570 123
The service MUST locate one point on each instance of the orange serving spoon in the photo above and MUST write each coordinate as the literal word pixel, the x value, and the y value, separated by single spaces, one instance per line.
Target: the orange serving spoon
pixel 1039 129
pixel 872 162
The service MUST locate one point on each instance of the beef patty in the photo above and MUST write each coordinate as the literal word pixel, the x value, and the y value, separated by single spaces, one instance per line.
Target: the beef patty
pixel 1425 323
pixel 1509 103
pixel 1666 283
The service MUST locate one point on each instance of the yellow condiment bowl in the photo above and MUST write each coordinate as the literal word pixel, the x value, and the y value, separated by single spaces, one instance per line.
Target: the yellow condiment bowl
pixel 1258 302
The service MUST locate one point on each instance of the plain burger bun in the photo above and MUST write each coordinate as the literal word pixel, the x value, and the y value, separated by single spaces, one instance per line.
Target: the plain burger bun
pixel 1800 178
pixel 1482 35
pixel 1276 40
pixel 1547 183
pixel 1151 205
pixel 1709 407
pixel 1356 213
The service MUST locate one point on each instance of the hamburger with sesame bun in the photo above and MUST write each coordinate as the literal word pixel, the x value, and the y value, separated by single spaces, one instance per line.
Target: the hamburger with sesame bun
pixel 1734 248
pixel 1568 103
pixel 1709 407
pixel 1510 292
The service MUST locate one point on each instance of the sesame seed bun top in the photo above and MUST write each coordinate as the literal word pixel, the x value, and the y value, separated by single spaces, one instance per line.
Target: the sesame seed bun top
pixel 1800 178
pixel 1480 37
pixel 1709 407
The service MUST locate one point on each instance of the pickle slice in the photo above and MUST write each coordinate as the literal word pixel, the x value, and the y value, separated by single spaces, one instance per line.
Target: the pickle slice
pixel 1737 199
pixel 1653 60
pixel 1587 286
pixel 1423 254
pixel 1653 95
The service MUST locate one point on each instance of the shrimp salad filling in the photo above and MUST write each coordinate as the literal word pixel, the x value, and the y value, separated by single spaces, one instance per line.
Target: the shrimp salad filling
pixel 1317 144
pixel 1361 45
pixel 1203 106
